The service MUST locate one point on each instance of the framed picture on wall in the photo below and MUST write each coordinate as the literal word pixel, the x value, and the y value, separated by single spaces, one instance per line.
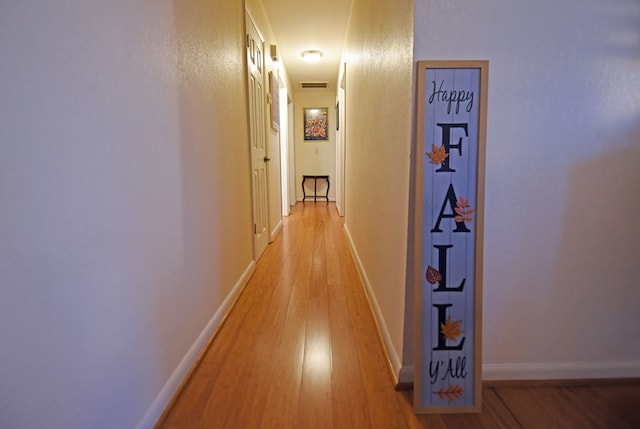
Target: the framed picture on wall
pixel 316 123
pixel 274 92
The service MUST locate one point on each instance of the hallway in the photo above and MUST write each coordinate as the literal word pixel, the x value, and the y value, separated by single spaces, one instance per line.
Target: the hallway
pixel 126 221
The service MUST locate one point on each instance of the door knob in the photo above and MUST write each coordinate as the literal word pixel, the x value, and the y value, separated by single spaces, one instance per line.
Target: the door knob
pixel 267 159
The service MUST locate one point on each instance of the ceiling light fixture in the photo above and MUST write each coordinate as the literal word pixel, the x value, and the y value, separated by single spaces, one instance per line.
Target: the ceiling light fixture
pixel 312 56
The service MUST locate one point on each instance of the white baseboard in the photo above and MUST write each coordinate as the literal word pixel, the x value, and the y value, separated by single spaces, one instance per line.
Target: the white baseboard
pixel 388 344
pixel 405 375
pixel 547 371
pixel 275 231
pixel 175 380
pixel 561 370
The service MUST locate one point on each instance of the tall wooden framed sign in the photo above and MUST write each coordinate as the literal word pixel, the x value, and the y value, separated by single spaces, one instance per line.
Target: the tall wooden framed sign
pixel 450 154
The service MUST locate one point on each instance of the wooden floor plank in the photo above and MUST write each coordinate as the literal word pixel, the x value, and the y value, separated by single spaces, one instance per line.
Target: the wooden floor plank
pixel 494 413
pixel 314 409
pixel 283 394
pixel 347 385
pixel 538 407
pixel 258 374
pixel 610 406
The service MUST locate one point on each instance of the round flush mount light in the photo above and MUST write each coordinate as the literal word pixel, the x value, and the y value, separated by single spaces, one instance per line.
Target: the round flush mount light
pixel 312 56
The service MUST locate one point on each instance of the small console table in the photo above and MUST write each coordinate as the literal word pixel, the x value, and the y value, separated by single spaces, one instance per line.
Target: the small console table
pixel 315 186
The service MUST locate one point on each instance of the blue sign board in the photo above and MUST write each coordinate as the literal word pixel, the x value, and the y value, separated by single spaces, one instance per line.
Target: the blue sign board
pixel 449 201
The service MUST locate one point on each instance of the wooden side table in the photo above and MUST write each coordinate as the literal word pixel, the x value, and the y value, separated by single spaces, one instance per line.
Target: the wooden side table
pixel 315 186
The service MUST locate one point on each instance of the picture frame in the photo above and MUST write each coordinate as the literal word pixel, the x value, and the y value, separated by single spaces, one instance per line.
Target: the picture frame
pixel 448 235
pixel 274 97
pixel 316 123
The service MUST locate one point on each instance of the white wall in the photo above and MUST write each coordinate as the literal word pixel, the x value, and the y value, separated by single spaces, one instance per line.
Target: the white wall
pixel 126 210
pixel 561 273
pixel 314 157
pixel 378 141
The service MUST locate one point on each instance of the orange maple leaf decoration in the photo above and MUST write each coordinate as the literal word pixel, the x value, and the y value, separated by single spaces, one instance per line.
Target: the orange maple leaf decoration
pixel 451 330
pixel 438 155
pixel 450 393
pixel 463 210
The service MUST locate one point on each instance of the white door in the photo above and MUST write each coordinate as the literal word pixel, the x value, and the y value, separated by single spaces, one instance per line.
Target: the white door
pixel 255 63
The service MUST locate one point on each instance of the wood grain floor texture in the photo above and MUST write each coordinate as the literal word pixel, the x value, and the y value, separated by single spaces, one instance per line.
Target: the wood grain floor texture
pixel 300 349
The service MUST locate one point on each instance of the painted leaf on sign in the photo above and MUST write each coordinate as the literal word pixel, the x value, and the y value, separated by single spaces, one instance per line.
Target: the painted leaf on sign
pixel 438 154
pixel 433 276
pixel 451 393
pixel 463 210
pixel 450 329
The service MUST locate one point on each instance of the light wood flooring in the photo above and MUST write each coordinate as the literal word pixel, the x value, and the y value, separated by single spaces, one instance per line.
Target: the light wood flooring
pixel 300 349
